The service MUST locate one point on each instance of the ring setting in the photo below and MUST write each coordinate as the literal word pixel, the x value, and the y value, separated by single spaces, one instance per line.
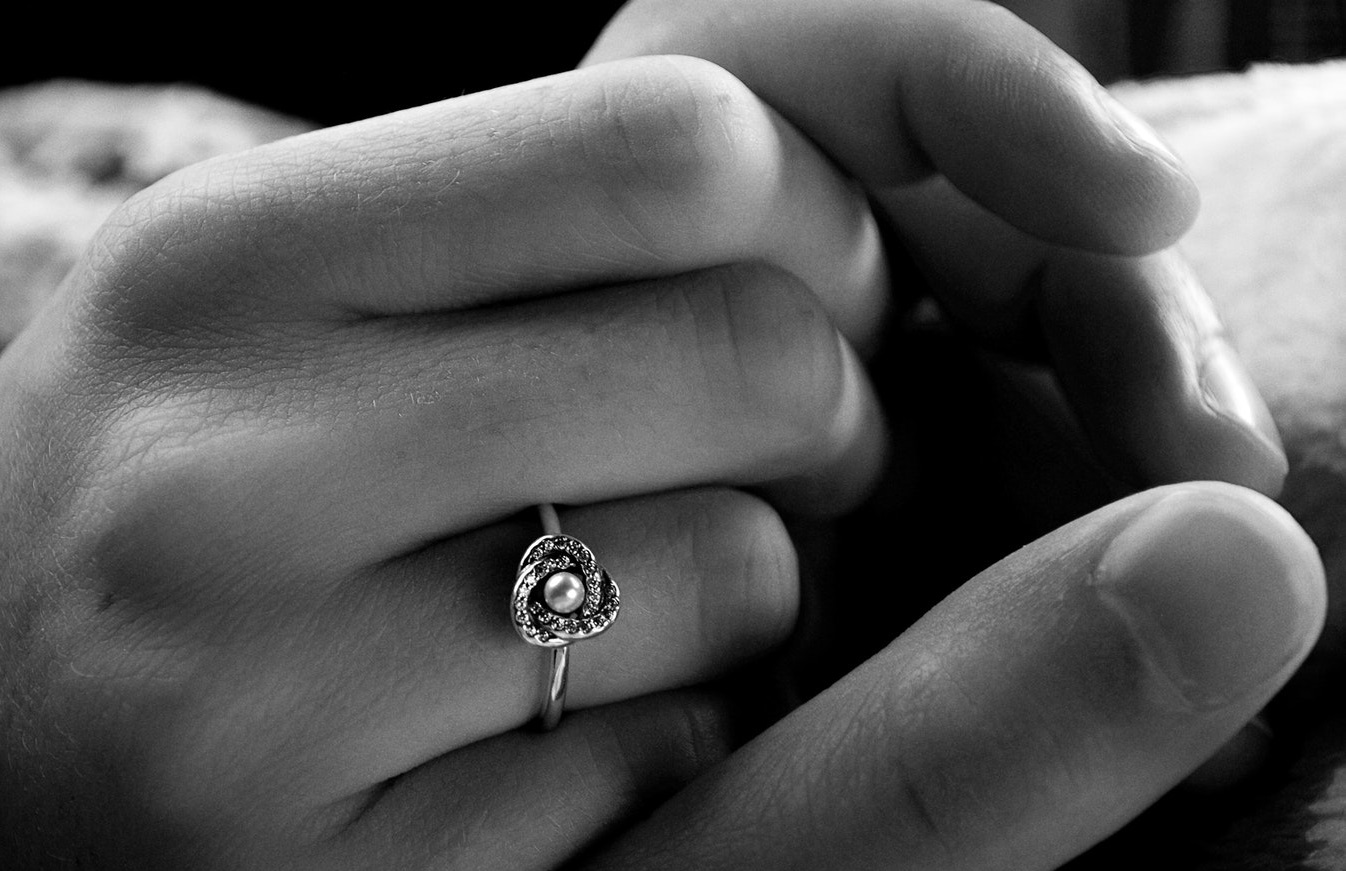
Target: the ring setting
pixel 561 595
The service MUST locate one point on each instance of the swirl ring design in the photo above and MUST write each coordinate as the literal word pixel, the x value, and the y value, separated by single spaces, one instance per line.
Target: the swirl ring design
pixel 535 620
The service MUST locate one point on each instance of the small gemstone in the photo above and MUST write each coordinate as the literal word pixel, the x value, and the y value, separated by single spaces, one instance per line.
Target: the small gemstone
pixel 563 592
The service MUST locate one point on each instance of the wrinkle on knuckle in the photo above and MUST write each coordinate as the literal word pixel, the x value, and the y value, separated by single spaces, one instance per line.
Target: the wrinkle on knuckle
pixel 162 481
pixel 961 765
pixel 661 749
pixel 696 738
pixel 743 542
pixel 701 741
pixel 767 345
pixel 914 784
pixel 214 237
pixel 684 130
pixel 156 229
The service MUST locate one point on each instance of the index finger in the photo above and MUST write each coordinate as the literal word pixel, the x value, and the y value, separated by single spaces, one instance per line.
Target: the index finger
pixel 643 168
pixel 895 91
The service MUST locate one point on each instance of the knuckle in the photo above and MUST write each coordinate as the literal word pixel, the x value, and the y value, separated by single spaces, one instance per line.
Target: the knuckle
pixel 190 244
pixel 959 763
pixel 931 780
pixel 769 348
pixel 681 125
pixel 655 747
pixel 734 535
pixel 700 736
pixel 148 238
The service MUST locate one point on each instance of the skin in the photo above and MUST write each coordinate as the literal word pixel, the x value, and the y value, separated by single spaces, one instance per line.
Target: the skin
pixel 643 289
pixel 1013 181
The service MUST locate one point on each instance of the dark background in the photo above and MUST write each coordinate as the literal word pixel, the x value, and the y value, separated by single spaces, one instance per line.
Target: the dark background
pixel 327 69
pixel 335 68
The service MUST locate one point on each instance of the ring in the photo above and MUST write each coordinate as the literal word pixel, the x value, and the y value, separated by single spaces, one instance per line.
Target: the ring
pixel 561 595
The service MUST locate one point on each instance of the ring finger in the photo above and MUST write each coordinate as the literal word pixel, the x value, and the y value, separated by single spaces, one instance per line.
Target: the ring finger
pixel 337 691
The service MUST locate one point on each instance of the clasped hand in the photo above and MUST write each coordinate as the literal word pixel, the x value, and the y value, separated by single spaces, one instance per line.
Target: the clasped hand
pixel 269 458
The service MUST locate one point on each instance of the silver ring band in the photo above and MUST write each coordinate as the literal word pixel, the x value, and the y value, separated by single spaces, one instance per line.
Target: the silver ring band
pixel 551 524
pixel 554 699
pixel 561 595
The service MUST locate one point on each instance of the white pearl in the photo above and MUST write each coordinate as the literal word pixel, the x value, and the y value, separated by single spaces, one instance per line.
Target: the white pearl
pixel 563 592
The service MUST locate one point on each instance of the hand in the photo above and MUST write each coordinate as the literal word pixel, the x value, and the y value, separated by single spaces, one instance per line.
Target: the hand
pixel 1014 181
pixel 217 633
pixel 1028 715
pixel 265 459
pixel 949 151
pixel 1147 318
pixel 1260 144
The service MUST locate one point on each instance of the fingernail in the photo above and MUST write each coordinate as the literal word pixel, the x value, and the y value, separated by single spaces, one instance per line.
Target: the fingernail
pixel 1230 391
pixel 1221 590
pixel 1140 134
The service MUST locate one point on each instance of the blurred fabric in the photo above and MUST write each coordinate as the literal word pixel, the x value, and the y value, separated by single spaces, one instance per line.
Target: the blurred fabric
pixel 334 68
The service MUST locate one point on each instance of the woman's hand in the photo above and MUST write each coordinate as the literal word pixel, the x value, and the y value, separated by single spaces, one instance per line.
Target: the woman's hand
pixel 1134 340
pixel 1030 714
pixel 266 454
pixel 1038 209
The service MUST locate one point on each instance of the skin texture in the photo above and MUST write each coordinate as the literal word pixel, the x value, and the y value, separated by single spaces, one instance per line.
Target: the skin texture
pixel 243 659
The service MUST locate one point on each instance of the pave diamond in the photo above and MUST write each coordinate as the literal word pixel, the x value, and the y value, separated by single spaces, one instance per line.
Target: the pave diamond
pixel 538 624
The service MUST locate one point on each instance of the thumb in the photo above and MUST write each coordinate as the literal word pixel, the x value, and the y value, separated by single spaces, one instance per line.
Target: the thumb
pixel 1030 714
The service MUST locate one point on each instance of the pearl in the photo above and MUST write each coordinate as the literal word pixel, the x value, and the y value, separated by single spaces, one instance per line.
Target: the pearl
pixel 563 592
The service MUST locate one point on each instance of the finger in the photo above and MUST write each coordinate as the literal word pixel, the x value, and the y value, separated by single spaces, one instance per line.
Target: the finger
pixel 1156 383
pixel 1163 397
pixel 1054 477
pixel 540 799
pixel 1236 762
pixel 1031 713
pixel 1135 342
pixel 647 167
pixel 731 376
pixel 894 91
pixel 343 684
